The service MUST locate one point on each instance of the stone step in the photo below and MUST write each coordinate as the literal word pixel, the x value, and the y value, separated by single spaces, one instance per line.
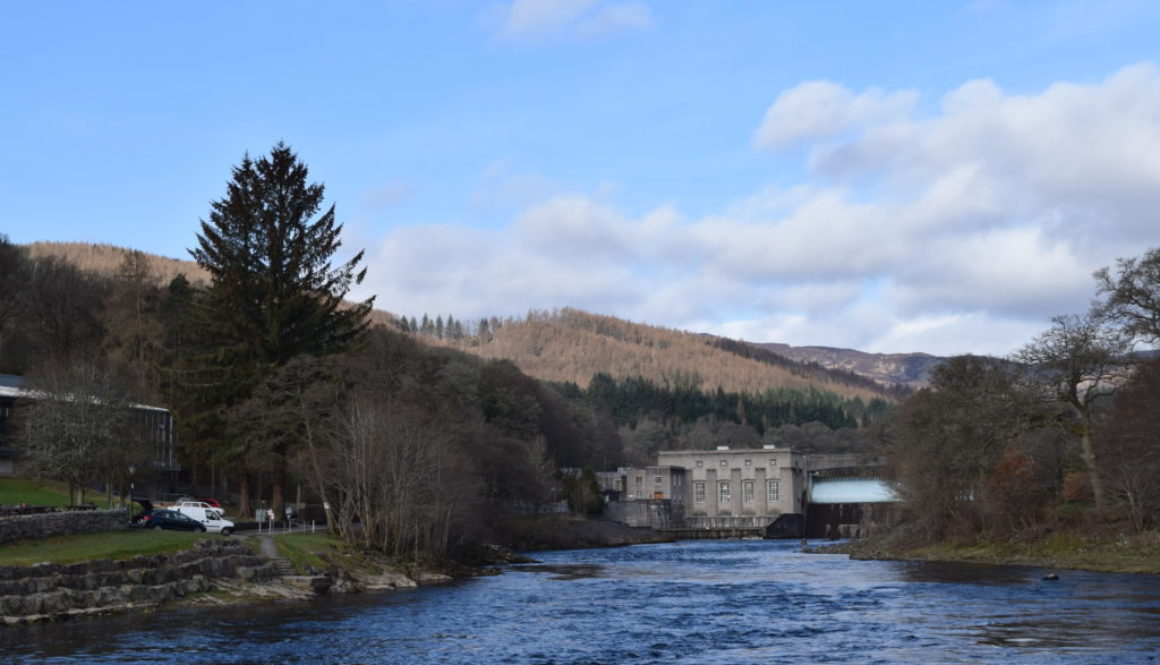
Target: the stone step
pixel 284 567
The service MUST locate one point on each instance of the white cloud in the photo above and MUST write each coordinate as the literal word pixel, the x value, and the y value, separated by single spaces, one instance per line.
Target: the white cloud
pixel 961 231
pixel 821 109
pixel 536 20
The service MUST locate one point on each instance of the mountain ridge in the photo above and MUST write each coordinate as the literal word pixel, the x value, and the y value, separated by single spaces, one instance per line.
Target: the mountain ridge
pixel 570 345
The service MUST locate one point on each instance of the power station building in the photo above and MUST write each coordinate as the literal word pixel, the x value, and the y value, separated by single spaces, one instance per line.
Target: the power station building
pixel 721 490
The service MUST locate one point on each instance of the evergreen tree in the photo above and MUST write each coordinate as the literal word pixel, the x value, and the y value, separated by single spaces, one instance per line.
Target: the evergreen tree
pixel 274 294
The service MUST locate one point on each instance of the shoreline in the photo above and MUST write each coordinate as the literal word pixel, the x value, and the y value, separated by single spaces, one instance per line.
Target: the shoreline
pixel 1137 555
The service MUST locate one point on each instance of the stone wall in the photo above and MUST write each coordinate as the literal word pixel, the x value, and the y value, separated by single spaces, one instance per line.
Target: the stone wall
pixel 51 591
pixel 47 525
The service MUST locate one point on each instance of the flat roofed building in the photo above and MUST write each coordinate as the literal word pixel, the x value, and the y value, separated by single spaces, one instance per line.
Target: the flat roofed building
pixel 155 422
pixel 761 483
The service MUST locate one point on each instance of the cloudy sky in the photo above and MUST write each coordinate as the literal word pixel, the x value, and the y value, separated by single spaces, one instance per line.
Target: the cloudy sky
pixel 887 176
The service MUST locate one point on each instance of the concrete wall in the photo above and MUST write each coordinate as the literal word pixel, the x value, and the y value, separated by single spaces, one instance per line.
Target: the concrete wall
pixel 47 525
pixel 654 513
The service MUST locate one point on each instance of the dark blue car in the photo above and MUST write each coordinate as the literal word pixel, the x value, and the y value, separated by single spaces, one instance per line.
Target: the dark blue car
pixel 164 519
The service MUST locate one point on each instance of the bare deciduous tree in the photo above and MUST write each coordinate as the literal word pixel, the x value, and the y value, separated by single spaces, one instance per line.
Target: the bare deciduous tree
pixel 1078 361
pixel 80 427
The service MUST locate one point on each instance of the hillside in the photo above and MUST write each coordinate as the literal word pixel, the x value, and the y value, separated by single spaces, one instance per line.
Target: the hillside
pixel 107 259
pixel 571 345
pixel 907 369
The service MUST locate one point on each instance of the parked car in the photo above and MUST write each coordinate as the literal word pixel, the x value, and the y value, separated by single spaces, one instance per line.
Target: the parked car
pixel 209 517
pixel 152 518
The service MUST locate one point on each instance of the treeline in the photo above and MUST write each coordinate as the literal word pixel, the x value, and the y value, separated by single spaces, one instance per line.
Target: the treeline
pixel 680 400
pixel 1064 433
pixel 678 414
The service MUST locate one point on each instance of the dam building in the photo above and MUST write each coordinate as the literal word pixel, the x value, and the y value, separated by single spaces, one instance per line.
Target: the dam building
pixel 726 493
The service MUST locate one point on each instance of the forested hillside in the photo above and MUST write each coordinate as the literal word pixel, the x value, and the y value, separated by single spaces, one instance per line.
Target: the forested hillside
pixel 109 260
pixel 569 345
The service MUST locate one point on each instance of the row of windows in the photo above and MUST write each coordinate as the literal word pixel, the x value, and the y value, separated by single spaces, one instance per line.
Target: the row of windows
pixel 725 494
pixel 725 463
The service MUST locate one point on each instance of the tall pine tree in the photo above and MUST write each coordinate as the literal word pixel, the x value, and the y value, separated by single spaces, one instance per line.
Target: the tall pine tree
pixel 274 295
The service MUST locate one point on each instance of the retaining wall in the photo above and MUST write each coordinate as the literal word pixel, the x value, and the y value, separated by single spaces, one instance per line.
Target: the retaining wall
pixel 50 591
pixel 48 525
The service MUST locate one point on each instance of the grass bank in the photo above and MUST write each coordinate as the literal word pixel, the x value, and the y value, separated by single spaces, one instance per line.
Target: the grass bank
pixel 106 545
pixel 1118 553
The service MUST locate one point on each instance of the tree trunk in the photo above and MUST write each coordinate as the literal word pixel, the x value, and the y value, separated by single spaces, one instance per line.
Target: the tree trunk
pixel 1089 460
pixel 245 500
pixel 278 487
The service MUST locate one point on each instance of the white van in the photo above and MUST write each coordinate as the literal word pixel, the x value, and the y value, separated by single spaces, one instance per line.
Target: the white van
pixel 207 515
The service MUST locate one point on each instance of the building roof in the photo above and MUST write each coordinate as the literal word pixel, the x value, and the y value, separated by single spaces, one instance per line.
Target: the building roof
pixel 851 490
pixel 11 381
pixel 10 386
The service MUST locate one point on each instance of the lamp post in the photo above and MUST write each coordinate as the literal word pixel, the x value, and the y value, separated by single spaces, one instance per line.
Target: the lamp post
pixel 131 485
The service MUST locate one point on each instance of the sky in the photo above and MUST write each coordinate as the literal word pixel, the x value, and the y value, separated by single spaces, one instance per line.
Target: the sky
pixel 941 177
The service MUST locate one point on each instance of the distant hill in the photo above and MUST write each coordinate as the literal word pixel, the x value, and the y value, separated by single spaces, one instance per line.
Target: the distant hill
pixel 907 369
pixel 571 345
pixel 106 260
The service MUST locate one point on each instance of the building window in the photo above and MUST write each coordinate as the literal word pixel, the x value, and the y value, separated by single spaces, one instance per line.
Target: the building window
pixel 639 480
pixel 724 463
pixel 773 461
pixel 747 491
pixel 699 492
pixel 657 480
pixel 748 462
pixel 723 495
pixel 774 490
pixel 700 463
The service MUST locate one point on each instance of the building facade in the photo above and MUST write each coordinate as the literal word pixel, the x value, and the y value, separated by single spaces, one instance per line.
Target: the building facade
pixel 713 489
pixel 155 426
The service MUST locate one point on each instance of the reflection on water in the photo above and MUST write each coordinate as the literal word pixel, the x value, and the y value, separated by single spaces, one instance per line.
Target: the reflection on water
pixel 704 602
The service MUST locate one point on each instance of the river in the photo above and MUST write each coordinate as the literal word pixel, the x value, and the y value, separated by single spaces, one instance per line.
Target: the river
pixel 703 602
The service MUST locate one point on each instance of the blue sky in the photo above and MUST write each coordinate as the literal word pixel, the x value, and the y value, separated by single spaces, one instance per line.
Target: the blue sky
pixel 906 176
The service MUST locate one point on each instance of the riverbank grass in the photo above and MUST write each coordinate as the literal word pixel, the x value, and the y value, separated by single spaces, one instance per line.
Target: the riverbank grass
pixel 1135 553
pixel 106 545
pixel 308 550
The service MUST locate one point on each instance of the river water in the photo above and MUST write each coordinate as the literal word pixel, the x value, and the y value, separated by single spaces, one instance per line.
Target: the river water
pixel 703 602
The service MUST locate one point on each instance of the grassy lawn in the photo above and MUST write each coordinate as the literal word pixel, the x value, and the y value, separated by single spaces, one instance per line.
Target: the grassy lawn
pixel 108 545
pixel 303 549
pixel 15 491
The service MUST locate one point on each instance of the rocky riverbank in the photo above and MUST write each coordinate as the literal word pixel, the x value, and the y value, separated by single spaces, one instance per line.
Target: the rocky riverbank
pixel 48 592
pixel 566 533
pixel 239 570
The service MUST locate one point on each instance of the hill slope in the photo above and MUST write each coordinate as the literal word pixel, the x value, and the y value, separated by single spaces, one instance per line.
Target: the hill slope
pixel 571 345
pixel 107 259
pixel 907 369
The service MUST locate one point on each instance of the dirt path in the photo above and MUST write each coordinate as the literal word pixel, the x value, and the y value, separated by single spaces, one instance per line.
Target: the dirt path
pixel 267 548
